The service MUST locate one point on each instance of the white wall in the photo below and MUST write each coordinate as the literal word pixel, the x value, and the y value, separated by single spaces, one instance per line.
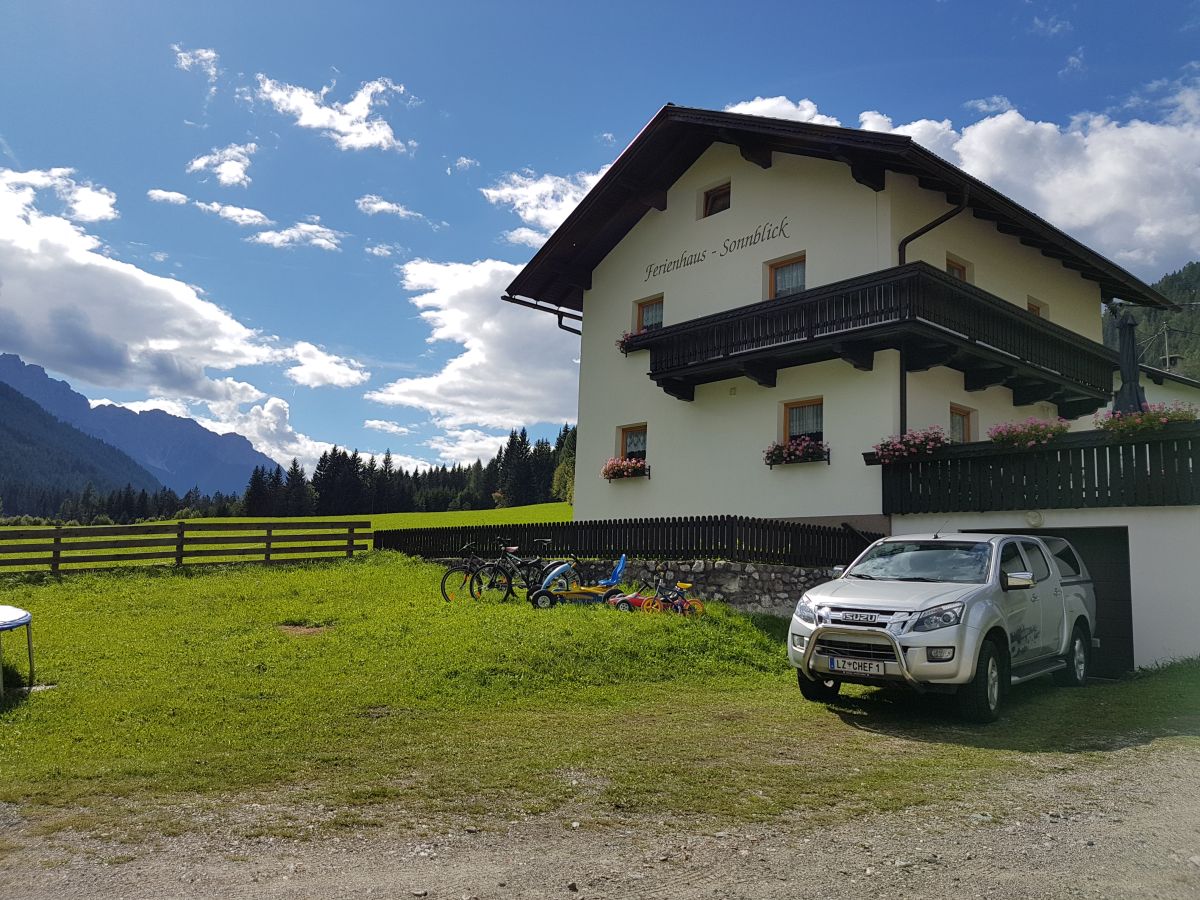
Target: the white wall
pixel 1162 542
pixel 999 263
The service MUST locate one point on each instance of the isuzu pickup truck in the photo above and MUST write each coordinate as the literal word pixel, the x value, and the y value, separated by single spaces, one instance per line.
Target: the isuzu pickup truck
pixel 968 614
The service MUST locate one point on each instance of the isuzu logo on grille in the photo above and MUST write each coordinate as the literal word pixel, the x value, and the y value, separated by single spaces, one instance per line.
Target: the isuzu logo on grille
pixel 858 617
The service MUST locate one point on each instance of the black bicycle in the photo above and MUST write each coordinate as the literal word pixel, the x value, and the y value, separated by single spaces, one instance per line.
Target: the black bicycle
pixel 456 583
pixel 499 579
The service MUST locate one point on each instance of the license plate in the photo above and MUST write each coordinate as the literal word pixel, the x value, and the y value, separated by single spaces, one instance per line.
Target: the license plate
pixel 856 666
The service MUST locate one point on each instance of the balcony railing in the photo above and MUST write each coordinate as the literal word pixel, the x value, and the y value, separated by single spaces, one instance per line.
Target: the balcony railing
pixel 934 318
pixel 1077 471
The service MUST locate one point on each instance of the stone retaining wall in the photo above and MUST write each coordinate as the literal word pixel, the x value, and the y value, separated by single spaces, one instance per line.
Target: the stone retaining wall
pixel 747 587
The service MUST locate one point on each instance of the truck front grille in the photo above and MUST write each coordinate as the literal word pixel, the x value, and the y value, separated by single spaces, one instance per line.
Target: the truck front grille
pixel 855 650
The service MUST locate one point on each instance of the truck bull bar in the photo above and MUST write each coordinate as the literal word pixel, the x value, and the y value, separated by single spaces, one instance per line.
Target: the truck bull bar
pixel 844 631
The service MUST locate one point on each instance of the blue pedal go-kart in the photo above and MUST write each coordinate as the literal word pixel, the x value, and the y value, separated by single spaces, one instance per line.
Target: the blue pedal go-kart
pixel 562 585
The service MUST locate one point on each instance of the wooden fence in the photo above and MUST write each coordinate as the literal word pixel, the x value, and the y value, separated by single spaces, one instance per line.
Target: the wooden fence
pixel 734 538
pixel 72 548
pixel 1076 471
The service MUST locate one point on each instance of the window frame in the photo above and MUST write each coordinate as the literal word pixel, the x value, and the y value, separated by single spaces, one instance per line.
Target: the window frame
pixel 623 440
pixel 1036 307
pixel 788 406
pixel 969 415
pixel 958 263
pixel 726 188
pixel 1029 548
pixel 775 265
pixel 639 313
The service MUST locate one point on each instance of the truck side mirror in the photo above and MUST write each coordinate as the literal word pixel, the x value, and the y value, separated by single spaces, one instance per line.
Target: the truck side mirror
pixel 1016 581
pixel 839 570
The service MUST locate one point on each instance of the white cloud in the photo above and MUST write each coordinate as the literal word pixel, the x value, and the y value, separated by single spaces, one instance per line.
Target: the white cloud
pixel 229 164
pixel 69 307
pixel 385 250
pixel 936 135
pixel 1074 65
pixel 465 162
pixel 239 215
pixel 782 108
pixel 481 386
pixel 1050 26
pixel 269 429
pixel 159 256
pixel 373 204
pixel 167 405
pixel 465 445
pixel 349 125
pixel 607 138
pixel 996 103
pixel 203 60
pixel 386 426
pixel 158 195
pixel 92 204
pixel 542 201
pixel 303 234
pixel 316 368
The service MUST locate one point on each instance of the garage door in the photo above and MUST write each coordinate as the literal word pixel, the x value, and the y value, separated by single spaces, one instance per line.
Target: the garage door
pixel 1105 552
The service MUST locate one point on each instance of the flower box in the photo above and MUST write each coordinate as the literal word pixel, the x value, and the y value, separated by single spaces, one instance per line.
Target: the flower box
pixel 1027 435
pixel 797 450
pixel 1152 417
pixel 619 468
pixel 901 447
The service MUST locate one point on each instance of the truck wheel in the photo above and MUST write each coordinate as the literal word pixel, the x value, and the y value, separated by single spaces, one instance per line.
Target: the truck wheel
pixel 1078 659
pixel 818 691
pixel 979 699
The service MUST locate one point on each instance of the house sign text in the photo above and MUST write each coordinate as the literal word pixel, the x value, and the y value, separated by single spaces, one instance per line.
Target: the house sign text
pixel 767 231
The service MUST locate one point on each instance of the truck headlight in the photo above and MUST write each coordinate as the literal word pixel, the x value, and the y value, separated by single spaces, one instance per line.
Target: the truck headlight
pixel 939 617
pixel 805 612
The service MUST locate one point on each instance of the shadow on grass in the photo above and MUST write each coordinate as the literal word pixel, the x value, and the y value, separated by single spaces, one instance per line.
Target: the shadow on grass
pixel 1041 717
pixel 15 687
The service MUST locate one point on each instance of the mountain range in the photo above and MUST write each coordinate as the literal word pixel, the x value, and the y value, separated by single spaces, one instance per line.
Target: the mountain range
pixel 178 452
pixel 43 460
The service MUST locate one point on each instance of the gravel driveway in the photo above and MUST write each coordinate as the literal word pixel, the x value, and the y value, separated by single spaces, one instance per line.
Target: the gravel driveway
pixel 1125 827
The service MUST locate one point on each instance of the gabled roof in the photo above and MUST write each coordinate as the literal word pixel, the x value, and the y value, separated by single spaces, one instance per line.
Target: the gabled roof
pixel 676 137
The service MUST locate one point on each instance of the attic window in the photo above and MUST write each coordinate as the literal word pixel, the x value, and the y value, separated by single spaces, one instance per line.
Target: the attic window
pixel 716 200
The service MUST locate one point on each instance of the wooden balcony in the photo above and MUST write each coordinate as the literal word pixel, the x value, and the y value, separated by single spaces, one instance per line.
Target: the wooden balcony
pixel 932 318
pixel 1077 471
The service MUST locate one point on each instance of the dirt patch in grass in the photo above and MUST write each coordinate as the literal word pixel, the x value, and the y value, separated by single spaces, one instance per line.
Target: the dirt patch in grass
pixel 304 629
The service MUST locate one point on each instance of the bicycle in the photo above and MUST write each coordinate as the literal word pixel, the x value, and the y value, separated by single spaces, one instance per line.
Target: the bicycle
pixel 456 583
pixel 495 580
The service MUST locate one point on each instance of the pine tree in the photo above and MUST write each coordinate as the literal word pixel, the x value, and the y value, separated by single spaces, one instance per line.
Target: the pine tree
pixel 298 497
pixel 257 501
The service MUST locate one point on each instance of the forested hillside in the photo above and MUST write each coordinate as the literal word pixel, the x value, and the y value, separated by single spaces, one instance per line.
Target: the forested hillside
pixel 44 461
pixel 344 483
pixel 1175 332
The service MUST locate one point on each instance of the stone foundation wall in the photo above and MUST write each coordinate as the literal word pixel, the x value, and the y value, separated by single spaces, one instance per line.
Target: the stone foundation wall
pixel 747 587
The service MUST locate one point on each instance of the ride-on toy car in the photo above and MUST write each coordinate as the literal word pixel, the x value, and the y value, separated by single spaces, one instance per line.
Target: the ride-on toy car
pixel 671 599
pixel 562 585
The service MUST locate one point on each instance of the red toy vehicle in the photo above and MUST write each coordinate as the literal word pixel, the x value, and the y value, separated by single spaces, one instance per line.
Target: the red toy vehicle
pixel 662 599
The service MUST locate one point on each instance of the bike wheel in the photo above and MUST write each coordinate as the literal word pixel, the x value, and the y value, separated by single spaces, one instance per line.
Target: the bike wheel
pixel 491 583
pixel 456 584
pixel 651 604
pixel 694 608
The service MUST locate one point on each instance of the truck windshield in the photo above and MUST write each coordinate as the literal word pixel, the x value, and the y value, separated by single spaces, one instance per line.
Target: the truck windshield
pixel 964 562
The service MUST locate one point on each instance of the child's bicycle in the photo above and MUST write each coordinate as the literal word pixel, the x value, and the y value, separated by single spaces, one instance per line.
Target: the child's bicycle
pixel 562 585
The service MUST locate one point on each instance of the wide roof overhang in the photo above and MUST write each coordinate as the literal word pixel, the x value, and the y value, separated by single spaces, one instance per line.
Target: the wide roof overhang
pixel 676 137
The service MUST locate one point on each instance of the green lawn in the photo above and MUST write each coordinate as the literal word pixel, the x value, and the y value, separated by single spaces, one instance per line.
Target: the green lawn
pixel 183 685
pixel 539 512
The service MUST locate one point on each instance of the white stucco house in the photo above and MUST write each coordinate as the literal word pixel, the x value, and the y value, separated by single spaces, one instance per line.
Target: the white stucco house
pixel 740 280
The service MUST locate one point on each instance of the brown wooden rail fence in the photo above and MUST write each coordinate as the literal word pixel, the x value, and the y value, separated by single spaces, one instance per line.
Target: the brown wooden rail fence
pixel 72 548
pixel 1076 471
pixel 734 538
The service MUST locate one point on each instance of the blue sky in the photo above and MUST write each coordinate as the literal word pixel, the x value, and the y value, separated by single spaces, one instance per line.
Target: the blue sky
pixel 308 262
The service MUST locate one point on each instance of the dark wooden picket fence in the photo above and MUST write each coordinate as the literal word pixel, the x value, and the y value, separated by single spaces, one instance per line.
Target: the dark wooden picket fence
pixel 71 548
pixel 734 538
pixel 1077 471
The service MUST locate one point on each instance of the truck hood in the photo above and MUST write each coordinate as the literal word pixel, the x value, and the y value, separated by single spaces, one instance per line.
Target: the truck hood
pixel 908 596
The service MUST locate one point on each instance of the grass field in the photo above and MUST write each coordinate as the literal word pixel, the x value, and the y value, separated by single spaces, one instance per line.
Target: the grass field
pixel 354 685
pixel 539 512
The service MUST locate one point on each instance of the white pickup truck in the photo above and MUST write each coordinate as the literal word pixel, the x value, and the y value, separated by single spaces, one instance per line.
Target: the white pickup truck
pixel 968 614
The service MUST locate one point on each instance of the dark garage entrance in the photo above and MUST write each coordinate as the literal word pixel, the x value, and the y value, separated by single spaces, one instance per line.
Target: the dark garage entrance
pixel 1105 552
